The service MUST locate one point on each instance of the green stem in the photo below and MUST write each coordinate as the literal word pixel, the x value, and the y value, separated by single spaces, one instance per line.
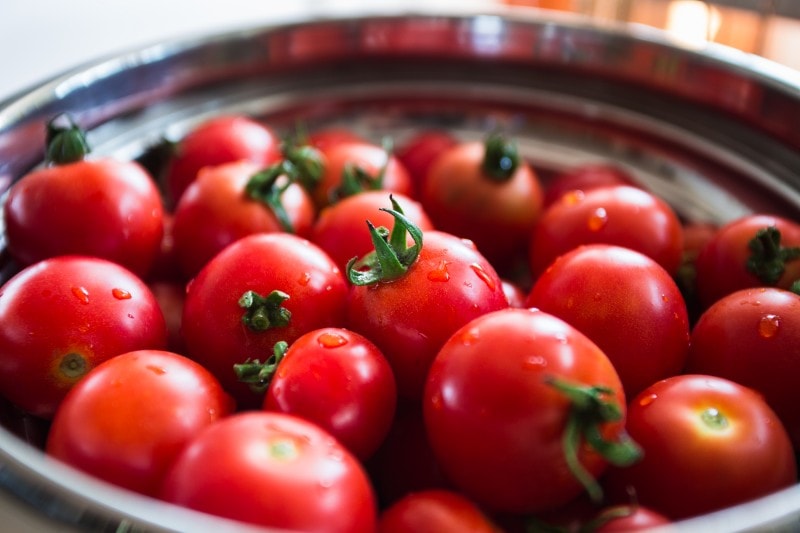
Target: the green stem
pixel 768 257
pixel 308 164
pixel 263 313
pixel 356 179
pixel 258 375
pixel 265 187
pixel 65 143
pixel 501 158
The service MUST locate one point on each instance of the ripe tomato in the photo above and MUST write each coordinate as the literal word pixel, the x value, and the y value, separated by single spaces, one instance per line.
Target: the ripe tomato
pixel 418 153
pixel 219 140
pixel 627 518
pixel 752 337
pixel 339 380
pixel 274 470
pixel 260 290
pixel 325 138
pixel 728 262
pixel 63 316
pixel 618 214
pixel 434 511
pixel 505 405
pixel 626 303
pixel 217 209
pixel 486 193
pixel 170 397
pixel 584 178
pixel 720 435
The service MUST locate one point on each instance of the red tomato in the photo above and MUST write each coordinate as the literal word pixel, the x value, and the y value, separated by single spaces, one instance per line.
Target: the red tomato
pixel 219 140
pixel 621 215
pixel 216 210
pixel 341 228
pixel 515 294
pixel 484 192
pixel 622 518
pixel 102 208
pixel 584 178
pixel 722 265
pixel 274 470
pixel 752 337
pixel 63 316
pixel 339 380
pixel 220 331
pixel 434 511
pixel 626 303
pixel 503 402
pixel 326 138
pixel 169 397
pixel 171 297
pixel 720 435
pixel 418 153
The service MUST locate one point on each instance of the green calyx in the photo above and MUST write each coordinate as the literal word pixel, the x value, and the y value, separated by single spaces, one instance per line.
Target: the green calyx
pixel 590 410
pixel 65 141
pixel 266 187
pixel 768 257
pixel 306 165
pixel 391 257
pixel 264 312
pixel 356 179
pixel 258 375
pixel 501 158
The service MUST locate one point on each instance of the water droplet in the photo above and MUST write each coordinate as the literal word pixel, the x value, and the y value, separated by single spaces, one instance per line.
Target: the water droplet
pixel 664 298
pixel 535 362
pixel 469 243
pixel 326 483
pixel 120 294
pixel 647 400
pixel 329 288
pixel 81 293
pixel 768 325
pixel 484 276
pixel 470 336
pixel 156 369
pixel 336 455
pixel 331 340
pixel 572 197
pixel 304 279
pixel 597 220
pixel 439 273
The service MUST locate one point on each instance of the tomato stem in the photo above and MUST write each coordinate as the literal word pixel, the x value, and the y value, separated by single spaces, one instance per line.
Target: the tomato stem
pixel 768 257
pixel 65 143
pixel 263 313
pixel 501 158
pixel 266 187
pixel 356 179
pixel 258 375
pixel 307 165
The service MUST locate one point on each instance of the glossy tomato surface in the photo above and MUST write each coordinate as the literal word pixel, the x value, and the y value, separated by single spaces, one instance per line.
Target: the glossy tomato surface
pixel 434 511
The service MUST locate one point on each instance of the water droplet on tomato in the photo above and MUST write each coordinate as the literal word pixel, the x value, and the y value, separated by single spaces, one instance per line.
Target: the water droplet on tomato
pixel 120 294
pixel 768 325
pixel 534 362
pixel 664 298
pixel 439 273
pixel 597 220
pixel 572 197
pixel 469 243
pixel 331 340
pixel 156 369
pixel 647 399
pixel 470 336
pixel 304 279
pixel 483 276
pixel 81 293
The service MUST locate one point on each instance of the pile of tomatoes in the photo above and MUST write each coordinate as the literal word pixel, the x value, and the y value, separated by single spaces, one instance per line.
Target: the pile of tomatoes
pixel 324 332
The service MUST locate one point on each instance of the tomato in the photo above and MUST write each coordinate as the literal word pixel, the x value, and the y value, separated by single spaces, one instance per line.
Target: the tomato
pixel 274 470
pixel 621 215
pixel 171 297
pixel 505 405
pixel 515 294
pixel 339 380
pixel 621 518
pixel 420 150
pixel 63 316
pixel 260 290
pixel 218 208
pixel 341 228
pixel 708 443
pixel 170 397
pixel 434 511
pixel 325 138
pixel 584 178
pixel 626 303
pixel 724 263
pixel 486 193
pixel 218 140
pixel 752 337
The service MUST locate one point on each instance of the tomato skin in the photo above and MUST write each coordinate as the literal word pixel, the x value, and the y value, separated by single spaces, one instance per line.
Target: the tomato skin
pixel 721 265
pixel 619 214
pixel 212 318
pixel 65 315
pixel 494 422
pixel 103 208
pixel 434 511
pixel 325 138
pixel 274 470
pixel 219 140
pixel 748 456
pixel 626 303
pixel 752 337
pixel 418 153
pixel 631 518
pixel 341 228
pixel 170 397
pixel 339 380
pixel 584 178
pixel 214 211
pixel 410 318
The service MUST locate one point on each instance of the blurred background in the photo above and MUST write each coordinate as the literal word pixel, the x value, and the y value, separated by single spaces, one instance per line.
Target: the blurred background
pixel 41 38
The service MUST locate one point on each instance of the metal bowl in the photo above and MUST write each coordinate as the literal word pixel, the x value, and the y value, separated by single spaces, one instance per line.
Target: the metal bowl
pixel 712 130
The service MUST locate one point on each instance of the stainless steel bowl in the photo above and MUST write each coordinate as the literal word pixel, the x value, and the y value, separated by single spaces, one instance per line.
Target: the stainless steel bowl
pixel 712 130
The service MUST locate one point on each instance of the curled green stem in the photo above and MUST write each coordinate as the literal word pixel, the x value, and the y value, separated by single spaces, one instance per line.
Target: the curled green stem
pixel 264 312
pixel 501 158
pixel 266 187
pixel 356 179
pixel 768 257
pixel 258 375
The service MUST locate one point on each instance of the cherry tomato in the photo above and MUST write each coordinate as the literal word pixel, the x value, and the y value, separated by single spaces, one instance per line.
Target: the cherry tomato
pixel 325 138
pixel 171 297
pixel 274 470
pixel 418 153
pixel 218 207
pixel 339 380
pixel 505 405
pixel 728 262
pixel 751 337
pixel 218 140
pixel 434 511
pixel 63 316
pixel 626 303
pixel 260 290
pixel 621 215
pixel 584 178
pixel 130 416
pixel 720 435
pixel 515 294
pixel 622 518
